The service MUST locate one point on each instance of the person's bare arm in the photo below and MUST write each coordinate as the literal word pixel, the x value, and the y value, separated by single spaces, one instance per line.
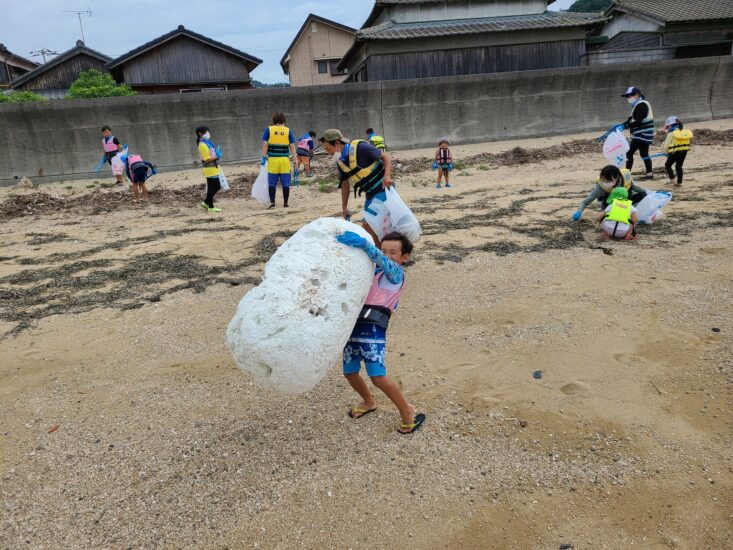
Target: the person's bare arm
pixel 387 160
pixel 345 193
pixel 264 148
pixel 292 149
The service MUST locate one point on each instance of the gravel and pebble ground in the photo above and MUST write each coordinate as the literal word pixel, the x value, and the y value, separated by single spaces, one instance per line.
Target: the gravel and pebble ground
pixel 126 425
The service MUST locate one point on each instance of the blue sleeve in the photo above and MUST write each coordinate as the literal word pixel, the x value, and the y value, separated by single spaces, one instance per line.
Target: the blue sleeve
pixel 311 144
pixel 291 137
pixel 266 134
pixel 148 164
pixel 127 170
pixel 392 270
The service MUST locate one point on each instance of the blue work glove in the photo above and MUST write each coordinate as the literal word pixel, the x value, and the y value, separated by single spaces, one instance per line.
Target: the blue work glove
pixel 218 151
pixel 263 161
pixel 350 238
pixel 153 171
pixel 435 165
pixel 577 215
pixel 450 167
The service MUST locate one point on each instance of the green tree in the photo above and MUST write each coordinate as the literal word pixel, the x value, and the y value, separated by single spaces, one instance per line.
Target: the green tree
pixel 21 97
pixel 258 84
pixel 590 6
pixel 94 83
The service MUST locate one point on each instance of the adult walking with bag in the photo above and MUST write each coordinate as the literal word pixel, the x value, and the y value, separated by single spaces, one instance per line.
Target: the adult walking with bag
pixel 641 125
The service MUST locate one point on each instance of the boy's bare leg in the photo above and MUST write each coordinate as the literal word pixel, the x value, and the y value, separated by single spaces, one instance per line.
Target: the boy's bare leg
pixel 440 175
pixel 145 191
pixel 392 390
pixel 119 179
pixel 137 192
pixel 360 386
pixel 369 230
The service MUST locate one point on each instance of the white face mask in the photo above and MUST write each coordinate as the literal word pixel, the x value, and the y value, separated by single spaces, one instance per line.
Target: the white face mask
pixel 631 100
pixel 206 136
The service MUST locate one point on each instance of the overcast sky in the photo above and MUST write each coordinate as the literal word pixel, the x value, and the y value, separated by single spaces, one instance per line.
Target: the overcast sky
pixel 263 28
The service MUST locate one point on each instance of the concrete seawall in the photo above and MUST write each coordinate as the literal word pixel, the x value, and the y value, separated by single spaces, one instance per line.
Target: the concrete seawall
pixel 61 139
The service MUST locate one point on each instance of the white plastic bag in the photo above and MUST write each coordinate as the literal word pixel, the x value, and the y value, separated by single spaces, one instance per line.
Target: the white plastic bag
pixel 403 220
pixel 260 188
pixel 650 208
pixel 378 217
pixel 223 181
pixel 615 148
pixel 392 214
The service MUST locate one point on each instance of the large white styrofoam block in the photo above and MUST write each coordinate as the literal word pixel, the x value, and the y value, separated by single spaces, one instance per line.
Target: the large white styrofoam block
pixel 291 329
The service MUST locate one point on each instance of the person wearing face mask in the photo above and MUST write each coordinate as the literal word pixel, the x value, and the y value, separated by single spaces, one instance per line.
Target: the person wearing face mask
pixel 641 126
pixel 210 161
pixel 365 167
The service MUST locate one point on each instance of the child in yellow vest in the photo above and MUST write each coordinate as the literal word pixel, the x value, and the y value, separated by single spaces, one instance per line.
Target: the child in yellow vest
pixel 676 145
pixel 619 218
pixel 278 143
pixel 611 177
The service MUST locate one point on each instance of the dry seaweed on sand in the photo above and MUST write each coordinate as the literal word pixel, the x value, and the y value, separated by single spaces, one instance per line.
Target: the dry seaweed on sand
pixel 123 283
pixel 102 202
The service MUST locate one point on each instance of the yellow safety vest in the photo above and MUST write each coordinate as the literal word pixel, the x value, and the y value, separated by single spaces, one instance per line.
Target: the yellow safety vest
pixel 620 212
pixel 377 141
pixel 364 179
pixel 677 141
pixel 278 145
pixel 625 174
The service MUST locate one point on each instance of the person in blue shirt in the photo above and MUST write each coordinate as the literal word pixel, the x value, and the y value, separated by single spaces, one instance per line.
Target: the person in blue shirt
pixel 137 172
pixel 278 145
pixel 368 340
pixel 365 167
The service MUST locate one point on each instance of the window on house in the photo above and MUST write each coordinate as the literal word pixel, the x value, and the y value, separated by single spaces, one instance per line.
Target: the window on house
pixel 322 67
pixel 203 90
pixel 334 69
pixel 314 27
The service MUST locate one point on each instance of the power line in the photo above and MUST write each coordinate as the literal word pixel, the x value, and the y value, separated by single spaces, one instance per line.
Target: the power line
pixel 43 52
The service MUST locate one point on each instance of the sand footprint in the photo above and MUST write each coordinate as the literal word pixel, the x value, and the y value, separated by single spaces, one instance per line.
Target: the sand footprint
pixel 574 388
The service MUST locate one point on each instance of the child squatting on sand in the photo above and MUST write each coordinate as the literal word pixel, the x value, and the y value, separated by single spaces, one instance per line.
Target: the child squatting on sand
pixel 368 339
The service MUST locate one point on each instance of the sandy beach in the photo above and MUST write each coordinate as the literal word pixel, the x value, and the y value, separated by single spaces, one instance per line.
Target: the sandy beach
pixel 125 423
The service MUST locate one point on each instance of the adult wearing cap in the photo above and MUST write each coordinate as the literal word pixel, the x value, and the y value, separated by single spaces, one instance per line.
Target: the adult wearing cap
pixel 641 126
pixel 363 165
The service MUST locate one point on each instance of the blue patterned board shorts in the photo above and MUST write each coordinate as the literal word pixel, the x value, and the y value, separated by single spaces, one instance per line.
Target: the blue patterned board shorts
pixel 367 343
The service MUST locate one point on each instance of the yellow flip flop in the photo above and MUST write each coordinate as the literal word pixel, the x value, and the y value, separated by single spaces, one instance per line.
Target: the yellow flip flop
pixel 405 429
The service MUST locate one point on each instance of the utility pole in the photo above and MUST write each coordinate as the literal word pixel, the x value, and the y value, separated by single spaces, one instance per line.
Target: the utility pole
pixel 88 12
pixel 43 52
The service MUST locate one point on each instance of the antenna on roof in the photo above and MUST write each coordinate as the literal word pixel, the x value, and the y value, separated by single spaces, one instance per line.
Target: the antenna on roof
pixel 88 12
pixel 43 52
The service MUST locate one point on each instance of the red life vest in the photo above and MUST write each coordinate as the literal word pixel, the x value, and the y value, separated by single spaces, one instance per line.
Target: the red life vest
pixel 443 156
pixel 109 144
